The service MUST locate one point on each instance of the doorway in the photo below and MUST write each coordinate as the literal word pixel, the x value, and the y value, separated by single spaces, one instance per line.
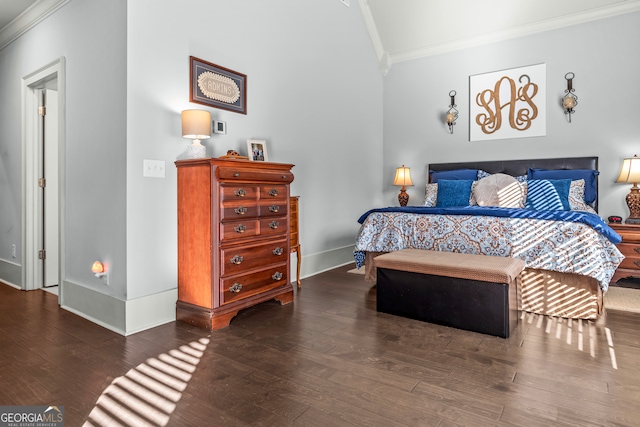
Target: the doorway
pixel 43 171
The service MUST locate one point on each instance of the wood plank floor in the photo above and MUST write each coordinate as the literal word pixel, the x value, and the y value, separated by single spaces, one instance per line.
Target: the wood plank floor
pixel 327 359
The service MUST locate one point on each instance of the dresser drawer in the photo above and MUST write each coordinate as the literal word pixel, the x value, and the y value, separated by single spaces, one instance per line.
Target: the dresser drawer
pixel 238 192
pixel 240 174
pixel 238 210
pixel 239 229
pixel 235 288
pixel 274 193
pixel 237 260
pixel 632 255
pixel 272 208
pixel 273 226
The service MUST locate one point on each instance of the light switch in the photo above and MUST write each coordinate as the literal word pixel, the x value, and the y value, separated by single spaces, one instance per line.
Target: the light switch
pixel 153 168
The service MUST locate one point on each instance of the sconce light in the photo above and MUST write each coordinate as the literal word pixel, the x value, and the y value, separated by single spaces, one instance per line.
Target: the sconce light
pixel 196 125
pixel 403 178
pixel 98 269
pixel 630 173
pixel 452 113
pixel 570 100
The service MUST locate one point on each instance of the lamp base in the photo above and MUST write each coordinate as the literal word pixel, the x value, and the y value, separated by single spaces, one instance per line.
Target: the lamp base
pixel 633 202
pixel 632 220
pixel 403 197
pixel 196 151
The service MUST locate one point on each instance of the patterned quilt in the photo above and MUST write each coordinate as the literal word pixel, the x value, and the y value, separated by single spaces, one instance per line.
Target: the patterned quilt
pixel 562 246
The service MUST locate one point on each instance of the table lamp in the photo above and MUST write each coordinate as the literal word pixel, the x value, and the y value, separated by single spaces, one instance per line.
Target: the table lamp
pixel 630 173
pixel 403 178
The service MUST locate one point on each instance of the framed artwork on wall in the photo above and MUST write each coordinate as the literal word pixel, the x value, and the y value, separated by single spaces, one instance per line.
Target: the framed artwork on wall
pixel 216 86
pixel 508 104
pixel 257 150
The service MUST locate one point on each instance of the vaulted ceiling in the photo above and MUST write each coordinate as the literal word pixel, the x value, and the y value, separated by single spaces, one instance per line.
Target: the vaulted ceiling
pixel 402 30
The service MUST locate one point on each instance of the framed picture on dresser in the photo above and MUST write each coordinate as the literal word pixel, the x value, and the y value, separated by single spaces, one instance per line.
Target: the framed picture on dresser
pixel 257 150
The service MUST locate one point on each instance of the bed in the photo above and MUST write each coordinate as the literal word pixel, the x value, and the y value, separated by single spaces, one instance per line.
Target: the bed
pixel 543 211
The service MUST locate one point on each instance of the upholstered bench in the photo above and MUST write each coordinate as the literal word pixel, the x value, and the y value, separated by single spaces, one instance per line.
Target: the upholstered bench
pixel 472 292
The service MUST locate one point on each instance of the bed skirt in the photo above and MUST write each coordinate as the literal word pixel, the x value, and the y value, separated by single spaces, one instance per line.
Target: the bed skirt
pixel 544 292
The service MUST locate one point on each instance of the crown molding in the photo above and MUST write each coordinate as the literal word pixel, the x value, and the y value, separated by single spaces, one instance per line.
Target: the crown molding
pixel 28 19
pixel 386 60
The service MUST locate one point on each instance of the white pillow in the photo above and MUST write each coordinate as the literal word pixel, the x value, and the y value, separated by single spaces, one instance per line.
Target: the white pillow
pixel 500 190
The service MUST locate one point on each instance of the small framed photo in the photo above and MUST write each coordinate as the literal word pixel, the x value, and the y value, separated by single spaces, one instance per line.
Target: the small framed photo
pixel 257 150
pixel 220 127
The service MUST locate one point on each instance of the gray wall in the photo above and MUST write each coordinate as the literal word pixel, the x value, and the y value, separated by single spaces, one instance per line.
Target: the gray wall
pixel 91 35
pixel 314 94
pixel 600 53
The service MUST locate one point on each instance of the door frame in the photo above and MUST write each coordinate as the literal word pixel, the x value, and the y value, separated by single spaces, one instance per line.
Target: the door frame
pixel 44 77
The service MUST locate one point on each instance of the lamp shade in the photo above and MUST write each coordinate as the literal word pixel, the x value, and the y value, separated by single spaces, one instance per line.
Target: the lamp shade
pixel 403 176
pixel 630 171
pixel 196 124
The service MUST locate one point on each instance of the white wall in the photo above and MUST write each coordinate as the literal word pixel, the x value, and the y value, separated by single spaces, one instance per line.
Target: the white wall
pixel 600 53
pixel 91 35
pixel 314 94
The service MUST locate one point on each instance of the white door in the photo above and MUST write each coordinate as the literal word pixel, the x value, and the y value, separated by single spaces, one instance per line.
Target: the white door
pixel 50 218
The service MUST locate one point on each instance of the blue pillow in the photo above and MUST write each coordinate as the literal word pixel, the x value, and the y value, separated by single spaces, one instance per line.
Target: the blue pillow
pixel 453 192
pixel 466 174
pixel 590 179
pixel 548 194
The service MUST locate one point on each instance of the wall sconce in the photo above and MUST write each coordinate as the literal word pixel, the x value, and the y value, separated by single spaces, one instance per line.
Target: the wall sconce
pixel 196 125
pixel 403 178
pixel 570 100
pixel 630 173
pixel 99 270
pixel 452 113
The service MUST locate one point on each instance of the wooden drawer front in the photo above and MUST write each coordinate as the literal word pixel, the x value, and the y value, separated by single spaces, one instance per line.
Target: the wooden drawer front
pixel 273 193
pixel 238 287
pixel 629 235
pixel 238 192
pixel 272 226
pixel 239 174
pixel 273 208
pixel 238 210
pixel 239 229
pixel 632 255
pixel 240 259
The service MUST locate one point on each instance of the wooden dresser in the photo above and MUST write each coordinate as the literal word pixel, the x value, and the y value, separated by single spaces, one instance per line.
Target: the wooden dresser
pixel 233 238
pixel 630 248
pixel 294 243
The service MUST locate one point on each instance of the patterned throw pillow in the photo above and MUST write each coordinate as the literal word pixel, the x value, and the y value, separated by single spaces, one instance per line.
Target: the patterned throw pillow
pixel 431 195
pixel 576 197
pixel 548 194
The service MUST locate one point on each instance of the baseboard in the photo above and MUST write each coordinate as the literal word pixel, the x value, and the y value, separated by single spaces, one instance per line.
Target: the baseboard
pixel 104 310
pixel 11 273
pixel 323 261
pixel 151 311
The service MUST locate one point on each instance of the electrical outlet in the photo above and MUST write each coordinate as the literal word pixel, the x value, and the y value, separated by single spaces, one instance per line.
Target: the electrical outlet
pixel 153 168
pixel 13 250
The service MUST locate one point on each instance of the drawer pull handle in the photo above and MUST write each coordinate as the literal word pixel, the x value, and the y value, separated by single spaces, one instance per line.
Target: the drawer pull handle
pixel 236 174
pixel 273 192
pixel 277 276
pixel 236 260
pixel 240 192
pixel 237 287
pixel 637 249
pixel 240 228
pixel 278 251
pixel 240 210
pixel 274 208
pixel 637 263
pixel 274 224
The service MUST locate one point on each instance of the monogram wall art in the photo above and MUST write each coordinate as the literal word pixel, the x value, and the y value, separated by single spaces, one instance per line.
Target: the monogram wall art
pixel 508 104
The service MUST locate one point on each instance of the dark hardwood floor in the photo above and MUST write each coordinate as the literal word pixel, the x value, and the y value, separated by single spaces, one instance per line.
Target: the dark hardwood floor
pixel 327 359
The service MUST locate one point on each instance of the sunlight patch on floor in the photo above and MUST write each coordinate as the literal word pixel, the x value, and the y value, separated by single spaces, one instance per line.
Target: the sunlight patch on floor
pixel 584 332
pixel 147 395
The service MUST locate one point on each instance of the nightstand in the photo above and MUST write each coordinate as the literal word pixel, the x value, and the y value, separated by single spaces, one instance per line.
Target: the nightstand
pixel 630 248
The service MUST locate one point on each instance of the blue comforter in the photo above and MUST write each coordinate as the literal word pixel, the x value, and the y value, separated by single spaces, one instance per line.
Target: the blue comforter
pixel 592 220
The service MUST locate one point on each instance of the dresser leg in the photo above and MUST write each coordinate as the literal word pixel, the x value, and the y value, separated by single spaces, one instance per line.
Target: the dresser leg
pixel 299 258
